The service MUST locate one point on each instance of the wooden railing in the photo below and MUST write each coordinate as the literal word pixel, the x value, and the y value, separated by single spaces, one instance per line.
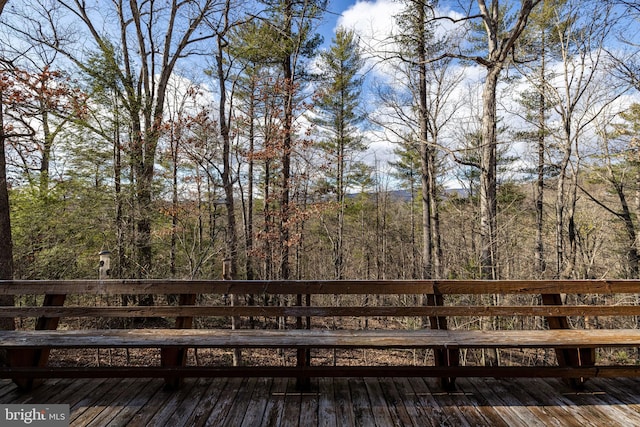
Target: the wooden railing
pixel 446 317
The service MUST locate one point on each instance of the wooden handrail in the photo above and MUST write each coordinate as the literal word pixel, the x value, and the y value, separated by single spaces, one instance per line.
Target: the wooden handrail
pixel 316 311
pixel 354 287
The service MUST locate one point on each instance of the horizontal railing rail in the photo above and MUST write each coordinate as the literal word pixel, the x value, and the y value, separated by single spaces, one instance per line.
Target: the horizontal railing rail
pixel 381 287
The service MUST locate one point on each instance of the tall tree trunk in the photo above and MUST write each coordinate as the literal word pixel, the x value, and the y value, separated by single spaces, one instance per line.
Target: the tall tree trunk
pixel 6 242
pixel 340 187
pixel 285 209
pixel 227 178
pixel 542 130
pixel 561 203
pixel 425 149
pixel 46 154
pixel 435 217
pixel 249 266
pixel 427 246
pixel 174 206
pixel 121 225
pixel 488 170
pixel 633 258
pixel 268 225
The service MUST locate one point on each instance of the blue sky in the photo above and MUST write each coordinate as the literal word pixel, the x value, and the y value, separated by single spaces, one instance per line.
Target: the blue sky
pixel 352 13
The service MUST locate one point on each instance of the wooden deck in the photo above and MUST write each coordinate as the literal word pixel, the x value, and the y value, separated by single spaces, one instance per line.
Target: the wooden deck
pixel 338 402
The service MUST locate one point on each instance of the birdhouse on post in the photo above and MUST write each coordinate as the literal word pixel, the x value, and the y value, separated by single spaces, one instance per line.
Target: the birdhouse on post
pixel 226 269
pixel 105 265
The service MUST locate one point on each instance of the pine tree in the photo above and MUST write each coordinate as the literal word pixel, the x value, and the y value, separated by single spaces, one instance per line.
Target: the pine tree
pixel 337 104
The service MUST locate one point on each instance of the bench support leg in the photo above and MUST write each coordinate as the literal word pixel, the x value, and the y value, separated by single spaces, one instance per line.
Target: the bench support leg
pixel 574 357
pixel 177 356
pixel 26 358
pixel 443 357
pixel 303 355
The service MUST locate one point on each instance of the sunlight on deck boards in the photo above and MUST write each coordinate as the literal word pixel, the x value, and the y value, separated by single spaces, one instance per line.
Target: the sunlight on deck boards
pixel 340 401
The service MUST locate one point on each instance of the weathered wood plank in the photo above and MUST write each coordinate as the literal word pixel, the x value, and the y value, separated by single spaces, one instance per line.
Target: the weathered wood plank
pixel 273 412
pixel 309 411
pixel 120 403
pixel 383 415
pixel 134 403
pixel 552 415
pixel 109 399
pixel 435 411
pixel 467 407
pixel 395 403
pixel 625 390
pixel 90 398
pixel 290 416
pixel 345 414
pixel 328 372
pixel 241 404
pixel 510 413
pixel 497 403
pixel 158 398
pixel 361 404
pixel 227 399
pixel 412 401
pixel 259 400
pixel 163 286
pixel 326 403
pixel 293 311
pixel 528 413
pixel 603 406
pixel 166 412
pixel 223 338
pixel 477 400
pixel 212 397
pixel 550 392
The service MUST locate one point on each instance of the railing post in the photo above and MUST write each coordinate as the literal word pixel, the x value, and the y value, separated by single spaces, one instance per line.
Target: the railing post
pixel 177 356
pixel 235 320
pixel 573 357
pixel 442 357
pixel 303 355
pixel 35 357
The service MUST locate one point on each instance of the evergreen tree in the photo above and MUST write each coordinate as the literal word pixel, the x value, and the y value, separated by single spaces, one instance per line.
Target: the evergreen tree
pixel 337 104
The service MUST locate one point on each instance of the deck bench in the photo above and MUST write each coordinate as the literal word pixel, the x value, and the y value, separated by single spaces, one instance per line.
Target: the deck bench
pixel 299 316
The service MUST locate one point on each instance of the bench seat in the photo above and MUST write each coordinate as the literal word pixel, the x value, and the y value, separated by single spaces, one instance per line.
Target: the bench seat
pixel 302 339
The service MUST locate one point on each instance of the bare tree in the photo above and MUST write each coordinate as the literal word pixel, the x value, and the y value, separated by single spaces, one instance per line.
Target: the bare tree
pixel 153 36
pixel 499 42
pixel 578 100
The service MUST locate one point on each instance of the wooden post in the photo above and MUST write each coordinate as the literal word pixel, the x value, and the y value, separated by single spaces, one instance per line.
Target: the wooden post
pixel 104 271
pixel 574 357
pixel 443 357
pixel 227 274
pixel 178 356
pixel 303 355
pixel 35 357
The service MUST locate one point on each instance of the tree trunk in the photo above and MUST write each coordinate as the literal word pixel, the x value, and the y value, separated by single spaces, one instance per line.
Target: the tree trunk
pixel 6 243
pixel 488 169
pixel 227 179
pixel 633 259
pixel 426 157
pixel 249 266
pixel 285 211
pixel 539 200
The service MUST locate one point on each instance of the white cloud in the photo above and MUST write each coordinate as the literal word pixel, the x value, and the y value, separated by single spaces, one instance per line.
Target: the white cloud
pixel 373 21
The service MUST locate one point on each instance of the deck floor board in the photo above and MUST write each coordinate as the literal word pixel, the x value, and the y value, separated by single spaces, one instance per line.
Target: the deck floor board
pixel 337 402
